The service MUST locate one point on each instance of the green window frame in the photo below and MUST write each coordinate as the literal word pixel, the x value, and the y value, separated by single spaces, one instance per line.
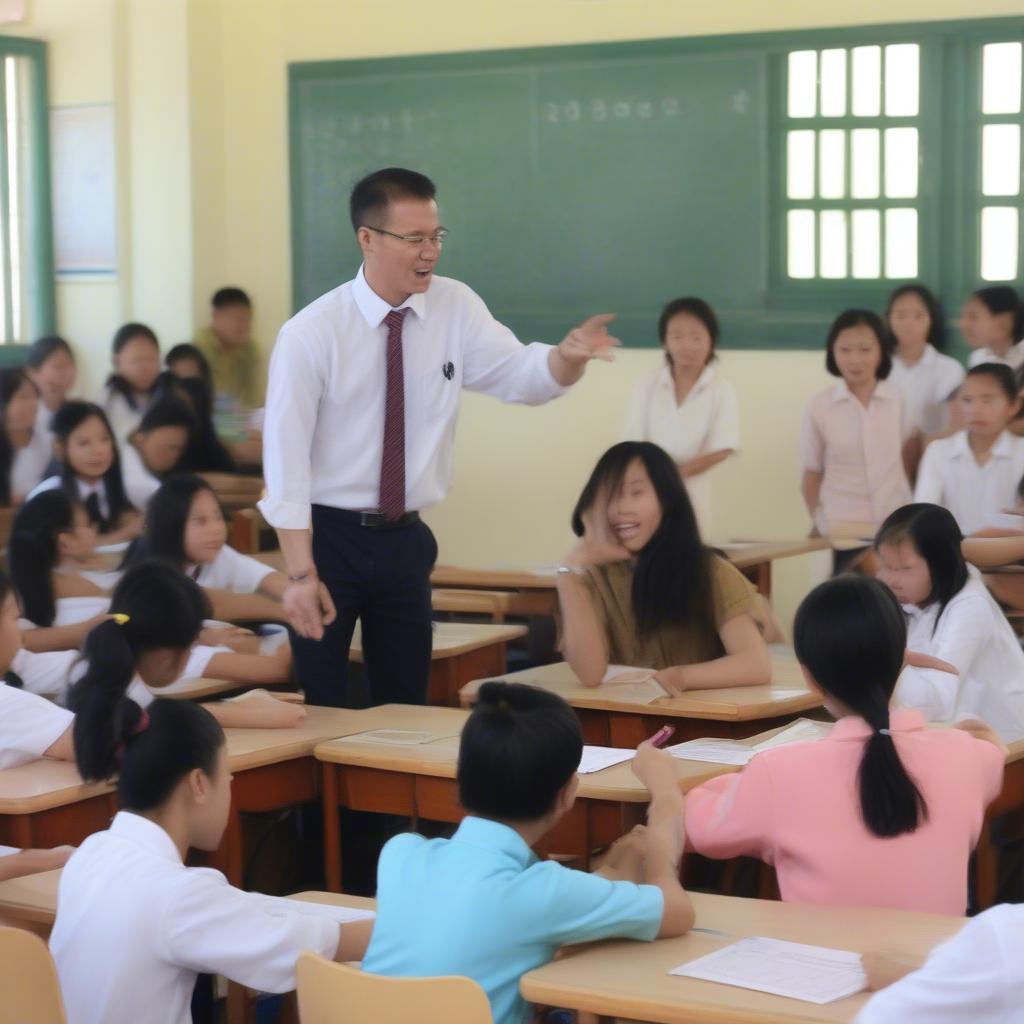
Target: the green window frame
pixel 27 303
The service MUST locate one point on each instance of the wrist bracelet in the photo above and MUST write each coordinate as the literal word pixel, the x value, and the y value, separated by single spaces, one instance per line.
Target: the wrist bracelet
pixel 302 576
pixel 570 570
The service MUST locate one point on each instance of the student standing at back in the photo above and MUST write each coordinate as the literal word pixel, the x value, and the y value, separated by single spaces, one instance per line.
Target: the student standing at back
pixel 687 407
pixel 233 358
pixel 992 323
pixel 952 617
pixel 885 811
pixel 851 442
pixel 926 379
pixel 975 473
pixel 129 389
pixel 135 925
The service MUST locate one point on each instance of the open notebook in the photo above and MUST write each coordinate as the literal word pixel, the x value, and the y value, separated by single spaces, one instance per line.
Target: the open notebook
pixel 741 751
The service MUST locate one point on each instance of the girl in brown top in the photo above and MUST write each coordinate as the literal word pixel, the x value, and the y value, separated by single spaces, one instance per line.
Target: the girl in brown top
pixel 640 588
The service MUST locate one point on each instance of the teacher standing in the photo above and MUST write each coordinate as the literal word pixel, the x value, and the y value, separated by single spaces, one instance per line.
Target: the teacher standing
pixel 362 400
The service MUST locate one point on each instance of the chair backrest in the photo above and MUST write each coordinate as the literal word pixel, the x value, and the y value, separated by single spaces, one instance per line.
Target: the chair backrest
pixel 29 989
pixel 329 992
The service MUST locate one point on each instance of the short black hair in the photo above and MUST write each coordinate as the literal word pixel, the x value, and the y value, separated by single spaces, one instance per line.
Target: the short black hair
pixel 42 348
pixel 1000 373
pixel 859 318
pixel 519 748
pixel 224 297
pixel 693 307
pixel 372 194
pixel 936 319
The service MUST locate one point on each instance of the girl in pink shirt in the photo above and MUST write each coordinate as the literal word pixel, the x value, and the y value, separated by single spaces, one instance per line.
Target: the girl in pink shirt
pixel 882 813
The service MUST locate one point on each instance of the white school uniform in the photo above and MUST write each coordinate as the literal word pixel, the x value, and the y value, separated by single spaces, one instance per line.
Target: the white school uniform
pixel 29 726
pixel 54 483
pixel 926 387
pixel 230 570
pixel 124 420
pixel 1014 357
pixel 707 420
pixel 976 977
pixel 974 636
pixel 139 483
pixel 47 674
pixel 29 465
pixel 949 475
pixel 135 926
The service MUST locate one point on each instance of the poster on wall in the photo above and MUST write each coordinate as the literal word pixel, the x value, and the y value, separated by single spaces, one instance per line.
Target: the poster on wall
pixel 12 11
pixel 84 211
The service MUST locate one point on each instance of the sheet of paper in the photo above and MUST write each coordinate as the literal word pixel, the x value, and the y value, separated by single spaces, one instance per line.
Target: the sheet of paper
pixel 632 685
pixel 343 915
pixel 394 737
pixel 597 758
pixel 789 693
pixel 814 974
pixel 803 730
pixel 6 851
pixel 715 751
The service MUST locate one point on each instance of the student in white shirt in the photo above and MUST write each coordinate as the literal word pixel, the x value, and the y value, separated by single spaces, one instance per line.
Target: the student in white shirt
pixel 927 379
pixel 135 353
pixel 90 470
pixel 155 448
pixel 135 925
pixel 951 617
pixel 975 473
pixel 25 451
pixel 51 365
pixel 364 392
pixel 185 525
pixel 977 977
pixel 687 407
pixel 992 323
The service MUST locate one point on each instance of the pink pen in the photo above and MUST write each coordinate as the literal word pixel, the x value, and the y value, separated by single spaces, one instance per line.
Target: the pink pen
pixel 662 736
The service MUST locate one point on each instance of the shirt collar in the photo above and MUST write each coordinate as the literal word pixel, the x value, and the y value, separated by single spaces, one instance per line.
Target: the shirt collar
pixel 85 490
pixel 145 833
pixel 707 375
pixel 496 838
pixel 1002 449
pixel 374 308
pixel 841 392
pixel 853 727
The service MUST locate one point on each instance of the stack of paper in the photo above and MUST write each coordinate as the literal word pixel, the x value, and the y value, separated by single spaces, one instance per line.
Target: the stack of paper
pixel 596 759
pixel 815 974
pixel 741 751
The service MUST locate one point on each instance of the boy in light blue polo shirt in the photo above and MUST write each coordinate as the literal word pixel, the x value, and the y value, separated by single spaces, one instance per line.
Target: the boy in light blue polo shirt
pixel 481 904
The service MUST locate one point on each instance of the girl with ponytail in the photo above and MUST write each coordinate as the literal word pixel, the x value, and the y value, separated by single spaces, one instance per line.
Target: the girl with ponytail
pixel 851 819
pixel 127 888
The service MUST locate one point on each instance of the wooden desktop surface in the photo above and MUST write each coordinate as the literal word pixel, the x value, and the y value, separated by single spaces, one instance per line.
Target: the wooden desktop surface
pixel 631 979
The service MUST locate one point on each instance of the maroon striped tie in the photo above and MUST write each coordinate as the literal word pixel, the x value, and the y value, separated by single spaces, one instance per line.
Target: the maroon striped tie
pixel 392 463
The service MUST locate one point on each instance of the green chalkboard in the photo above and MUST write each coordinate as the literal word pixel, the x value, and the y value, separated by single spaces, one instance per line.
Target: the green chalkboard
pixel 573 180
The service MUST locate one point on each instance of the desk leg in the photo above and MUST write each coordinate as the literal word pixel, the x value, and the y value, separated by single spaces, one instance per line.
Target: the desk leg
pixel 986 868
pixel 240 1008
pixel 332 828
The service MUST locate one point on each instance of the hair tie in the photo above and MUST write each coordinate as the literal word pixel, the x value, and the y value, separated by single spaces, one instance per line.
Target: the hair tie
pixel 884 732
pixel 121 619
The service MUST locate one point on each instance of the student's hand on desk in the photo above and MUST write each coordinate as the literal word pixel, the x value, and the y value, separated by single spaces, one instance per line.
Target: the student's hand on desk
pixel 309 607
pixel 624 859
pixel 671 680
pixel 590 340
pixel 35 861
pixel 915 659
pixel 270 713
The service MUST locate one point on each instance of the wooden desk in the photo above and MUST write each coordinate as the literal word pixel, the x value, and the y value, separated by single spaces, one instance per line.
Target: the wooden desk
pixel 420 781
pixel 734 712
pixel 45 803
pixel 1010 800
pixel 631 979
pixel 31 901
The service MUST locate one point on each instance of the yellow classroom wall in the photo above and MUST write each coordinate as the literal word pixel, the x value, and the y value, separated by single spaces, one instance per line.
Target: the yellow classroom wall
pixel 200 87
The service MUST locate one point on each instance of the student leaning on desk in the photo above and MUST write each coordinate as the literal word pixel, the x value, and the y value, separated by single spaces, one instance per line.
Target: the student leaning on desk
pixel 641 589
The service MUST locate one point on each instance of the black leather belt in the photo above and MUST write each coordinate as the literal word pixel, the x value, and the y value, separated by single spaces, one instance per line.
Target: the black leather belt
pixel 377 520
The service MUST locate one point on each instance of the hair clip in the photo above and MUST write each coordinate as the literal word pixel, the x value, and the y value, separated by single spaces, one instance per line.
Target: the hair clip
pixel 884 732
pixel 121 619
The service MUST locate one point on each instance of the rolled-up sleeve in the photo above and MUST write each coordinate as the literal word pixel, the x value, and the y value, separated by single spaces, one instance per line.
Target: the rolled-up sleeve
pixel 812 444
pixel 294 390
pixel 500 365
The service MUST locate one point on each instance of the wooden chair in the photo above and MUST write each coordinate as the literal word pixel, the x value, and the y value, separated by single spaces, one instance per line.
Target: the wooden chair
pixel 495 604
pixel 329 992
pixel 28 980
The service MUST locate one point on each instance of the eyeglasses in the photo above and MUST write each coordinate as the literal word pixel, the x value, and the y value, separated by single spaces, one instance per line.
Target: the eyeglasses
pixel 437 238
